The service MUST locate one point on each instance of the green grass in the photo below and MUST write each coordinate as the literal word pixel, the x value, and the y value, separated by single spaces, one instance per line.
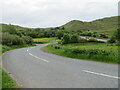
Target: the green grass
pixel 43 40
pixel 5 80
pixel 105 53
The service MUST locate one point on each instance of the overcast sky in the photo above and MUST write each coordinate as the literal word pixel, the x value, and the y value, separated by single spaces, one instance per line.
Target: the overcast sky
pixel 51 13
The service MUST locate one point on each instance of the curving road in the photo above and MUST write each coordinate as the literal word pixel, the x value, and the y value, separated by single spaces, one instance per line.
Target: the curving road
pixel 33 68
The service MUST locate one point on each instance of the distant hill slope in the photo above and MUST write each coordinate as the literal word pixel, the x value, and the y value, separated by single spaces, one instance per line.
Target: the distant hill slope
pixel 105 25
pixel 15 26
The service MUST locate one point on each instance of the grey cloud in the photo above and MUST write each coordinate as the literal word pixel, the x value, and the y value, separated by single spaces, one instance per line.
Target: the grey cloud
pixel 48 13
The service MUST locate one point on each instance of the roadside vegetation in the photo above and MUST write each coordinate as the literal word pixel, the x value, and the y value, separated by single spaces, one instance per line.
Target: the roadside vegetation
pixel 91 49
pixel 7 81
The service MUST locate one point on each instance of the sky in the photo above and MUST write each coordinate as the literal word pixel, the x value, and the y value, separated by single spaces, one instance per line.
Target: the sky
pixel 53 13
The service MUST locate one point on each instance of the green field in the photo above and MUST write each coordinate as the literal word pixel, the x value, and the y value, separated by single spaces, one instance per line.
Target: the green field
pixel 43 40
pixel 91 51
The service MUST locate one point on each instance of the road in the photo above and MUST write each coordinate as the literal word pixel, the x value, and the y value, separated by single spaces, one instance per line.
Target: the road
pixel 33 68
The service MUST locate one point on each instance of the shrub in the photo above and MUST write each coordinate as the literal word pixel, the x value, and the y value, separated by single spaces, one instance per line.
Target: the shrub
pixel 27 39
pixel 117 44
pixel 57 47
pixel 9 39
pixel 76 50
pixel 66 39
pixel 88 51
pixel 92 40
pixel 74 39
pixel 9 28
pixel 59 34
pixel 112 40
pixel 82 40
pixel 103 36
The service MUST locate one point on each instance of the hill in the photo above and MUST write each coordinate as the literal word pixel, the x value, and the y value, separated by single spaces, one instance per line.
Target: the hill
pixel 15 26
pixel 105 25
pixel 102 26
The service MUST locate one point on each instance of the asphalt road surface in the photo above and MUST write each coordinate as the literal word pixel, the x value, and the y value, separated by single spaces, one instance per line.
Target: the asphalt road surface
pixel 33 68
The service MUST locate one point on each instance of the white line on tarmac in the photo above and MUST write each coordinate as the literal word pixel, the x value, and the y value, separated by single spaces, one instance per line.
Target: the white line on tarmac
pixel 27 49
pixel 39 58
pixel 36 56
pixel 101 74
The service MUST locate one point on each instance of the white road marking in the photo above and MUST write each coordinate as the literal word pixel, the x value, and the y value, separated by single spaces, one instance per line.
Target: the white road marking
pixel 36 56
pixel 27 49
pixel 101 74
pixel 39 58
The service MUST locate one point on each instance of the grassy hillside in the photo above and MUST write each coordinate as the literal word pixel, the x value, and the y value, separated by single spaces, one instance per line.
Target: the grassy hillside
pixel 105 25
pixel 102 26
pixel 15 26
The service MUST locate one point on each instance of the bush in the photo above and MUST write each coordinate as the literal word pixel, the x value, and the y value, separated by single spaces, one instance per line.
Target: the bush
pixel 92 40
pixel 27 39
pixel 112 40
pixel 81 40
pixel 9 39
pixel 57 47
pixel 66 39
pixel 88 51
pixel 103 36
pixel 117 44
pixel 74 39
pixel 59 34
pixel 9 28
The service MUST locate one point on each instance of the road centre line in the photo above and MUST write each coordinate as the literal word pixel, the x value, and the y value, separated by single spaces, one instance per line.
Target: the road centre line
pixel 27 49
pixel 101 74
pixel 37 57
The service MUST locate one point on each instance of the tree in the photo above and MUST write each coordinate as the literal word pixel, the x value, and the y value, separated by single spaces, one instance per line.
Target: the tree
pixel 66 39
pixel 59 34
pixel 9 39
pixel 63 28
pixel 117 35
pixel 27 39
pixel 74 38
pixel 112 39
pixel 9 28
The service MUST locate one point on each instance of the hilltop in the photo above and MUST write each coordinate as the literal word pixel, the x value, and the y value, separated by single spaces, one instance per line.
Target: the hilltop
pixel 105 25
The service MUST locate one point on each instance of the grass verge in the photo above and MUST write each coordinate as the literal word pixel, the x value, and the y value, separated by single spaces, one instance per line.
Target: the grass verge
pixel 5 80
pixel 86 51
